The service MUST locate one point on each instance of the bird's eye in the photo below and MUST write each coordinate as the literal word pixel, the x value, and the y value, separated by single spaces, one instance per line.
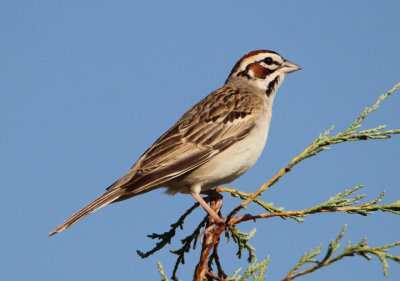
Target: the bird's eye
pixel 268 60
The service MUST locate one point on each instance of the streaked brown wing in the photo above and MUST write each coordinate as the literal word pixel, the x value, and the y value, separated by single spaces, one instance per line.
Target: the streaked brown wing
pixel 209 127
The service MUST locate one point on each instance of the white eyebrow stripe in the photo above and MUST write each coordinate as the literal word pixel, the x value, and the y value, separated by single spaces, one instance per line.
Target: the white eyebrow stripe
pixel 258 58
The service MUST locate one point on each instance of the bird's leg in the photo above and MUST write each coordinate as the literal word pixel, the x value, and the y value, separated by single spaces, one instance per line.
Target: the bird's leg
pixel 214 198
pixel 208 209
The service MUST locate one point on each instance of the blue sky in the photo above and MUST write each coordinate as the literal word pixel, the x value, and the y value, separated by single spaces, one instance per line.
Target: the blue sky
pixel 87 86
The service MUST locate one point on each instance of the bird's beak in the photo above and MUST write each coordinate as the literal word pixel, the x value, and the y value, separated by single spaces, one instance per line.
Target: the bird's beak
pixel 289 67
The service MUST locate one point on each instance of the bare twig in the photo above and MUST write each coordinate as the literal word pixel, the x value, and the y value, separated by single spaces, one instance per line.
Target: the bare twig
pixel 214 256
pixel 211 238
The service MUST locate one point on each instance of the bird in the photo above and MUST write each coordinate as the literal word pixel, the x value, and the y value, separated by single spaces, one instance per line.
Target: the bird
pixel 216 141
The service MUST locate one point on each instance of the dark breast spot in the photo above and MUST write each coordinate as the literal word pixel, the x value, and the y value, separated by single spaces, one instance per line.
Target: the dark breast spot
pixel 272 86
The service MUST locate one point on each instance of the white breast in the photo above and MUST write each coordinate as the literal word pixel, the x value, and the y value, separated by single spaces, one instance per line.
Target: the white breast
pixel 229 164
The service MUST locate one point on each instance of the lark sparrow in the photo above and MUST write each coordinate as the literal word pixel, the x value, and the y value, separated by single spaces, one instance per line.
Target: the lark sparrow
pixel 213 143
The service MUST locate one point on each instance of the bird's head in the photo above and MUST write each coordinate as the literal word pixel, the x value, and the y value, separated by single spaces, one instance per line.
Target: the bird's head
pixel 263 69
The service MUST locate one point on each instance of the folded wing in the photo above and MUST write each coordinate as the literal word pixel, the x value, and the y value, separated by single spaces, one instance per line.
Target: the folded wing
pixel 193 140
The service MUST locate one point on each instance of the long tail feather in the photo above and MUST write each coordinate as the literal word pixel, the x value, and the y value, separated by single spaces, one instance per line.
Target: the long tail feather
pixel 103 200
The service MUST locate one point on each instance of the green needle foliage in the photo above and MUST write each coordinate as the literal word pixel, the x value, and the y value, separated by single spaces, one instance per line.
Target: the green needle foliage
pixel 361 249
pixel 337 203
pixel 251 271
pixel 269 207
pixel 340 203
pixel 242 241
pixel 351 133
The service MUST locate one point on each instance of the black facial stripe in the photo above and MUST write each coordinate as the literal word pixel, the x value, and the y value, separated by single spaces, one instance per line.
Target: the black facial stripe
pixel 269 71
pixel 244 74
pixel 271 86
